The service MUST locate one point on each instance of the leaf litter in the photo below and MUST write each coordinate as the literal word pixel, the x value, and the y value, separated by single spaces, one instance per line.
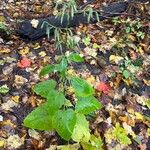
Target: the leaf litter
pixel 117 66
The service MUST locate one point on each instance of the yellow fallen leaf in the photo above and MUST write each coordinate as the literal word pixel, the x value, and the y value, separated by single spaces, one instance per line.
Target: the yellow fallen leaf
pixel 123 118
pixel 131 111
pixel 91 80
pixel 148 132
pixel 42 54
pixel 8 123
pixel 36 46
pixel 2 143
pixel 24 51
pixel 140 50
pixel 147 82
pixel 131 37
pixel 139 116
pixel 71 72
pixel 4 50
pixel 128 81
pixel 2 19
pixel 115 59
pixel 70 90
pixel 15 99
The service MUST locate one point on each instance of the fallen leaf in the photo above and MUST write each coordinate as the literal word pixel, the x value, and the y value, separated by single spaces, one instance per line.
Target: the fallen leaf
pixel 90 51
pixel 34 23
pixel 14 141
pixel 91 80
pixel 2 143
pixel 138 116
pixel 42 54
pixel 24 51
pixel 128 129
pixel 15 99
pixel 103 87
pixel 4 89
pixel 19 80
pixel 34 134
pixel 115 59
pixel 24 63
pixel 4 50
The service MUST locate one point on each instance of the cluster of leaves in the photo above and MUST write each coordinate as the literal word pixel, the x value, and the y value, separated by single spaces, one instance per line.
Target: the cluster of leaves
pixel 62 36
pixel 67 9
pixel 129 68
pixel 131 26
pixel 69 121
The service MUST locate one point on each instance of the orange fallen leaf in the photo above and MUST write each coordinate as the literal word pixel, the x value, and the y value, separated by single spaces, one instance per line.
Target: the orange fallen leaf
pixel 24 63
pixel 103 87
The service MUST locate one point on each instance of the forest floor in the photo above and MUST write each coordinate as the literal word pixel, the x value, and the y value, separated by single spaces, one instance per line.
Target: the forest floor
pixel 117 65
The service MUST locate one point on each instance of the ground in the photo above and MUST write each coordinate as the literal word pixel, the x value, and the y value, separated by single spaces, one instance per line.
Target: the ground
pixel 117 65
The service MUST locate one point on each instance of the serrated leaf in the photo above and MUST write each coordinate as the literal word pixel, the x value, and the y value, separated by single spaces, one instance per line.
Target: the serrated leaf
pixel 75 57
pixel 47 69
pixel 64 122
pixel 87 105
pixel 81 131
pixel 55 99
pixel 40 118
pixel 43 88
pixel 81 87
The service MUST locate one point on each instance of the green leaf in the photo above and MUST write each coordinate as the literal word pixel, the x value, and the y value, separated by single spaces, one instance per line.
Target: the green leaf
pixel 55 99
pixel 95 46
pixel 86 40
pixel 126 74
pixel 87 105
pixel 128 29
pixel 62 66
pixel 121 135
pixel 75 57
pixel 95 143
pixel 64 122
pixel 148 103
pixel 81 131
pixel 4 89
pixel 47 69
pixel 40 118
pixel 43 88
pixel 81 87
